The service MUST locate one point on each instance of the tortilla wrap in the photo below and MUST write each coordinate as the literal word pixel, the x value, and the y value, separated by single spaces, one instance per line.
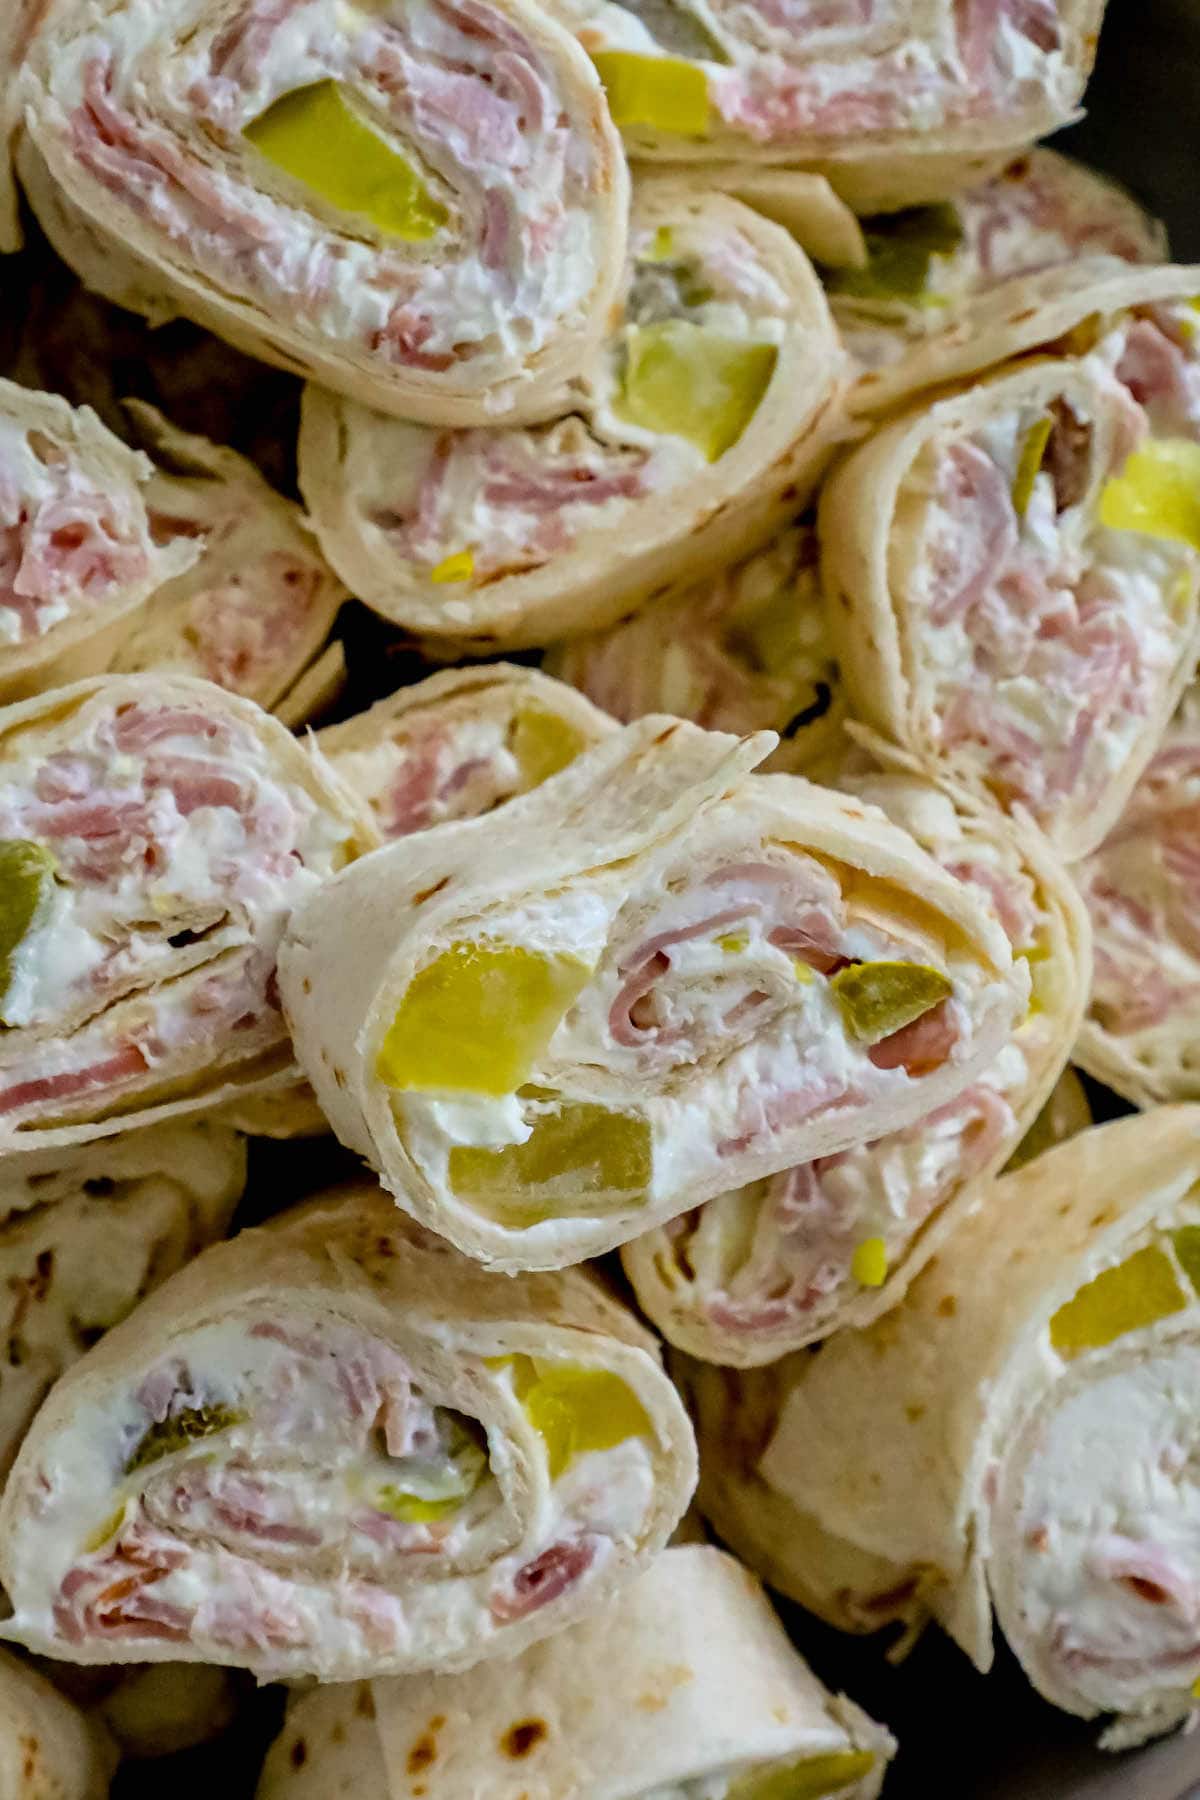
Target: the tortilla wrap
pixel 746 648
pixel 893 103
pixel 279 1461
pixel 1012 580
pixel 80 560
pixel 156 831
pixel 48 1750
pixel 254 612
pixel 773 1266
pixel 85 1234
pixel 699 429
pixel 379 198
pixel 454 746
pixel 686 1684
pixel 1016 1435
pixel 924 271
pixel 1141 1035
pixel 501 1017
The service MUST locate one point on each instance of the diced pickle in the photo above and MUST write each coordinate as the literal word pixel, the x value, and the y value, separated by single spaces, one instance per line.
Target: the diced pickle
pixel 476 1019
pixel 663 92
pixel 314 135
pixel 900 251
pixel 869 1264
pixel 677 29
pixel 1187 1250
pixel 1139 1291
pixel 543 744
pixel 581 1158
pixel 1032 452
pixel 685 381
pixel 178 1432
pixel 26 884
pixel 1157 491
pixel 812 1779
pixel 431 1489
pixel 878 998
pixel 459 567
pixel 574 1410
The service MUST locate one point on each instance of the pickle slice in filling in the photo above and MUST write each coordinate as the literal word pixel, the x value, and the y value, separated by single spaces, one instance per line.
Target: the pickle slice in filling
pixel 431 1488
pixel 543 744
pixel 682 380
pixel 315 135
pixel 476 1019
pixel 812 1779
pixel 663 92
pixel 878 998
pixel 1138 1292
pixel 26 886
pixel 1157 491
pixel 901 248
pixel 574 1410
pixel 580 1158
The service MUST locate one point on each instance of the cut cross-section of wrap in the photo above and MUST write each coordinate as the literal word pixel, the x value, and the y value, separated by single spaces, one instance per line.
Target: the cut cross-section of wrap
pixel 48 1749
pixel 86 1233
pixel 1142 889
pixel 335 1447
pixel 254 612
pixel 460 744
pixel 1019 1435
pixel 454 746
pixel 155 833
pixel 684 1688
pixel 745 649
pixel 697 431
pixel 421 204
pixel 784 1262
pixel 926 268
pixel 894 101
pixel 1012 573
pixel 79 559
pixel 654 978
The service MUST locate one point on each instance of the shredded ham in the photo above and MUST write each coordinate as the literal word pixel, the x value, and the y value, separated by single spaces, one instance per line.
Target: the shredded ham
pixel 543 1580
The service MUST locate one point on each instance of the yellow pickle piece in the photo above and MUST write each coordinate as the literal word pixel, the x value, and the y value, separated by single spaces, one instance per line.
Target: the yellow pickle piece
pixel 812 1779
pixel 543 743
pixel 580 1158
pixel 869 1264
pixel 877 998
pixel 315 135
pixel 1138 1292
pixel 477 1018
pixel 1186 1243
pixel 458 567
pixel 574 1409
pixel 663 92
pixel 1157 491
pixel 1032 452
pixel 26 887
pixel 682 380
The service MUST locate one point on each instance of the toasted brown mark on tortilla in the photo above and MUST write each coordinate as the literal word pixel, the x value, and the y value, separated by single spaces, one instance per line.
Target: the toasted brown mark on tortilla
pixel 424 1750
pixel 523 1738
pixel 428 893
pixel 299 1753
pixel 364 1705
pixel 662 1684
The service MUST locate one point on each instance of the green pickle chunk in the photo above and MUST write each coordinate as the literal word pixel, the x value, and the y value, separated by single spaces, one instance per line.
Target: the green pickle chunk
pixel 812 1779
pixel 682 380
pixel 574 1410
pixel 1186 1242
pixel 1139 1291
pixel 663 92
pixel 26 885
pixel 543 744
pixel 1157 491
pixel 878 998
pixel 180 1431
pixel 432 1489
pixel 900 251
pixel 477 1018
pixel 579 1158
pixel 315 135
